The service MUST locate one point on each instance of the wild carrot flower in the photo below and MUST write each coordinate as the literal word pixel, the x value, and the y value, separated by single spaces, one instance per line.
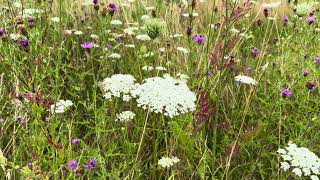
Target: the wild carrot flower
pixel 73 165
pixel 125 116
pixel 286 92
pixel 246 80
pixel 88 45
pixel 167 162
pixel 200 39
pixel 61 106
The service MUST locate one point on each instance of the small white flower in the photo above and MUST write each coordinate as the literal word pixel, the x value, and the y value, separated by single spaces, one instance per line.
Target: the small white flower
pixel 183 77
pixel 130 30
pixel 115 56
pixel 271 5
pixel 143 37
pixel 15 36
pixel 150 8
pixel 78 33
pixel 94 36
pixel 130 45
pixel 314 177
pixel 176 35
pixel 149 54
pixel 167 162
pixel 125 116
pixel 234 30
pixel 160 68
pixel 61 106
pixel 246 80
pixel 145 17
pixel 183 50
pixel 31 12
pixel 285 166
pixel 116 22
pixel 297 171
pixel 162 49
pixel 194 14
pixel 147 68
pixel 55 19
pixel 17 5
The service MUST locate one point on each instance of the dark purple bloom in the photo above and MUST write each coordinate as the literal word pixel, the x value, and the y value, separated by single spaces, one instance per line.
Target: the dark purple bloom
pixel 286 20
pixel 200 39
pixel 311 20
pixel 75 141
pixel 92 163
pixel 112 8
pixel 31 20
pixel 311 85
pixel 73 165
pixel 286 92
pixel 18 118
pixel 29 164
pixel 2 32
pixel 88 45
pixel 275 40
pixel 266 12
pixel 255 52
pixel 95 1
pixel 24 43
pixel 317 60
pixel 306 73
pixel 209 73
pixel 189 31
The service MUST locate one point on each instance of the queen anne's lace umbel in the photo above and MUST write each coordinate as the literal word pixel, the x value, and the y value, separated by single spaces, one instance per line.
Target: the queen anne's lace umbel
pixel 301 160
pixel 118 85
pixel 165 95
pixel 125 116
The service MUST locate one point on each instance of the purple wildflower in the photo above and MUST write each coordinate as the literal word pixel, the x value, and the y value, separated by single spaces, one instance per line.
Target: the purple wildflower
pixel 275 40
pixel 306 73
pixel 1 120
pixel 112 8
pixel 286 92
pixel 255 52
pixel 200 39
pixel 18 118
pixel 31 20
pixel 95 1
pixel 286 20
pixel 311 85
pixel 29 164
pixel 2 32
pixel 317 60
pixel 92 163
pixel 311 20
pixel 73 165
pixel 75 141
pixel 88 45
pixel 266 12
pixel 24 43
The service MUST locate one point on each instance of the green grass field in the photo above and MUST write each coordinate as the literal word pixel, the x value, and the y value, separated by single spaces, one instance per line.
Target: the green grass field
pixel 159 89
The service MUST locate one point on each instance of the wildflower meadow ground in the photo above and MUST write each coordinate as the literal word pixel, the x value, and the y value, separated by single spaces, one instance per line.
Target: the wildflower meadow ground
pixel 159 89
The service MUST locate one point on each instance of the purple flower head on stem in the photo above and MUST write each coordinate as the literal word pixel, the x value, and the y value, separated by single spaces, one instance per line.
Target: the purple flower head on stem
pixel 95 1
pixel 92 163
pixel 75 141
pixel 112 8
pixel 255 52
pixel 306 73
pixel 199 38
pixel 24 43
pixel 311 85
pixel 275 40
pixel 266 12
pixel 2 32
pixel 311 20
pixel 317 60
pixel 286 92
pixel 73 165
pixel 31 20
pixel 286 20
pixel 29 164
pixel 88 45
pixel 18 118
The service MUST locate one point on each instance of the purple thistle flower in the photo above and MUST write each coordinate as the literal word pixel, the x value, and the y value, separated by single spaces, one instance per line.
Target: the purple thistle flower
pixel 73 165
pixel 317 60
pixel 24 43
pixel 18 118
pixel 31 20
pixel 88 45
pixel 200 39
pixel 92 163
pixel 306 73
pixel 2 32
pixel 255 52
pixel 311 20
pixel 286 20
pixel 75 141
pixel 266 12
pixel 112 8
pixel 311 85
pixel 286 92
pixel 95 1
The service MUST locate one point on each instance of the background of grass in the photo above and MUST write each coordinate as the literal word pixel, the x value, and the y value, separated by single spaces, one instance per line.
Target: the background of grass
pixel 255 121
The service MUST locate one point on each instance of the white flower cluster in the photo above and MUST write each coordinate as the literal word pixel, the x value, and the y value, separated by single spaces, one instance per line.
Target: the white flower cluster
pixel 61 106
pixel 305 8
pixel 301 160
pixel 165 95
pixel 167 162
pixel 117 85
pixel 125 116
pixel 246 80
